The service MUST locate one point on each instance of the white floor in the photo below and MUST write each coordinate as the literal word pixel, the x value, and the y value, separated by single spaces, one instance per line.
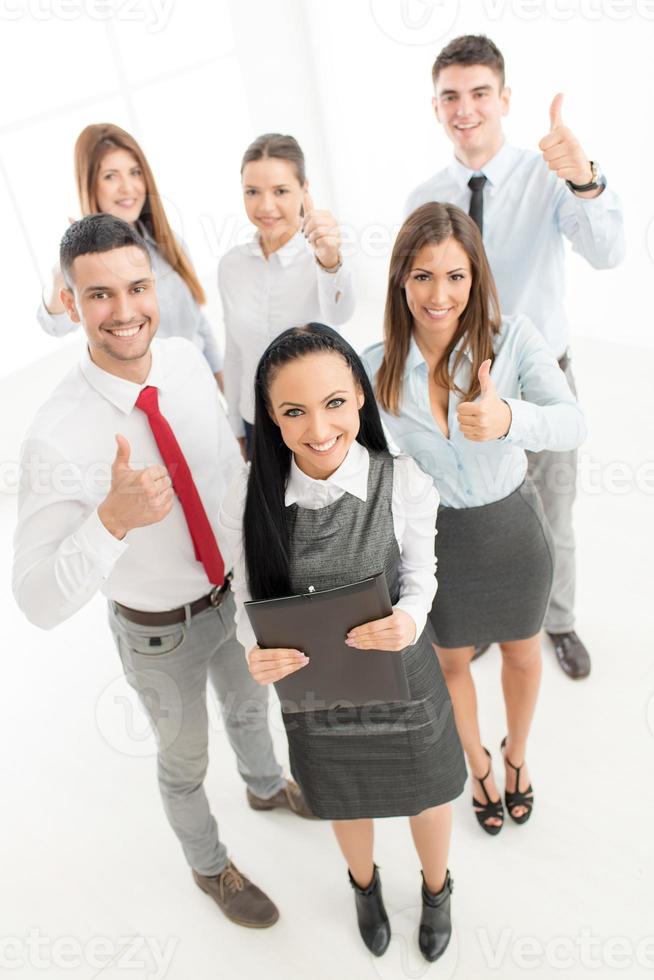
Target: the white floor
pixel 95 884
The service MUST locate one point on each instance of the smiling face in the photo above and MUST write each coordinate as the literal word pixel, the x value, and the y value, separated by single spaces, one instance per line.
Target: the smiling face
pixel 437 290
pixel 273 197
pixel 315 401
pixel 114 299
pixel 470 104
pixel 120 186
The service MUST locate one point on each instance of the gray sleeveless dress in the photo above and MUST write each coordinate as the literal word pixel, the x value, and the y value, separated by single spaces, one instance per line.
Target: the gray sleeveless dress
pixel 381 760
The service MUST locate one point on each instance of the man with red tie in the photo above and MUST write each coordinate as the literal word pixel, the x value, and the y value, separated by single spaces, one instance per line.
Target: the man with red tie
pixel 123 473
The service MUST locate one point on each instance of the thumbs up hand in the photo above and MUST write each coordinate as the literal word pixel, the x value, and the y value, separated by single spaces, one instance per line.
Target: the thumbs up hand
pixel 321 230
pixel 488 417
pixel 137 497
pixel 562 151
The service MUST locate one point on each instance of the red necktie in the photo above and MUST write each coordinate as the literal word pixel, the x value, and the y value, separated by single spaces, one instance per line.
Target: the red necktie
pixel 204 540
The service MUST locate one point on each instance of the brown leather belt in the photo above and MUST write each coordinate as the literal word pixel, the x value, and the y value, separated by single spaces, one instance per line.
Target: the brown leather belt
pixel 172 616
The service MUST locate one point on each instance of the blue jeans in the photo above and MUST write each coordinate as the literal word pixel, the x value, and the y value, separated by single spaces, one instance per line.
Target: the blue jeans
pixel 170 678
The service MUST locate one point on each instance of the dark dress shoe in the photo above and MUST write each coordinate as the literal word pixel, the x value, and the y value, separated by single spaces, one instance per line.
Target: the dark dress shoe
pixel 288 798
pixel 373 922
pixel 435 924
pixel 571 654
pixel 238 897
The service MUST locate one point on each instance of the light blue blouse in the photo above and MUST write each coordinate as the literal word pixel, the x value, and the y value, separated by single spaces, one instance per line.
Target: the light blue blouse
pixel 545 415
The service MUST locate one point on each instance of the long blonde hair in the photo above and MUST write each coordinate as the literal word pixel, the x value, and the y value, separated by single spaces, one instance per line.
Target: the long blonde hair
pixel 93 143
pixel 432 224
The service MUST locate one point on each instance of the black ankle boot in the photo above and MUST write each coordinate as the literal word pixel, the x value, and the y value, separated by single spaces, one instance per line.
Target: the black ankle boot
pixel 371 915
pixel 435 924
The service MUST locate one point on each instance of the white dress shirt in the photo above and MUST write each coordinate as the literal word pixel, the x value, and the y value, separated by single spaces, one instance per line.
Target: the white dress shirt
pixel 179 313
pixel 544 415
pixel 528 211
pixel 62 551
pixel 263 297
pixel 414 505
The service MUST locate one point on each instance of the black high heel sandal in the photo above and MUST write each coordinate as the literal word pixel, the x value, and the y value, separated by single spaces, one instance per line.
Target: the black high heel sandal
pixel 518 797
pixel 491 808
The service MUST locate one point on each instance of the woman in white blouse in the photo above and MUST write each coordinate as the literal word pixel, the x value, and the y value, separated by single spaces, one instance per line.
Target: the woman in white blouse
pixel 326 503
pixel 290 273
pixel 114 177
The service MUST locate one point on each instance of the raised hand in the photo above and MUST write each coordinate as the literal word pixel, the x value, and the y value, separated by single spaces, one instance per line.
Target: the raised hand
pixel 562 151
pixel 268 666
pixel 488 417
pixel 394 632
pixel 137 497
pixel 321 230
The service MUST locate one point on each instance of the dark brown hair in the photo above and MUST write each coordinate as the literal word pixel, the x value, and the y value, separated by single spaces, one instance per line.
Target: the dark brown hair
pixel 281 148
pixel 470 49
pixel 432 224
pixel 92 145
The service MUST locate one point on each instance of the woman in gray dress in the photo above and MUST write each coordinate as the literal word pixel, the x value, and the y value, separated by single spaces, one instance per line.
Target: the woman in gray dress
pixel 326 503
pixel 466 391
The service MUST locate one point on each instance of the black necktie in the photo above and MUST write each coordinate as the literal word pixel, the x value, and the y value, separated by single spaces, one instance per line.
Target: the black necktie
pixel 476 212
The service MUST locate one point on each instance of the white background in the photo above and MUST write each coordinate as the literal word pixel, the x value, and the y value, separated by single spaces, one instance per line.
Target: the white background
pixel 85 842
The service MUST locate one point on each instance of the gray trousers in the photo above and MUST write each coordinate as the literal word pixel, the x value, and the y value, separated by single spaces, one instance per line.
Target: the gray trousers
pixel 555 476
pixel 168 668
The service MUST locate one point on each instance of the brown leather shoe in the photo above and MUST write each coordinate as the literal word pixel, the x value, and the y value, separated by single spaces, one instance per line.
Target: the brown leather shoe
pixel 288 798
pixel 238 898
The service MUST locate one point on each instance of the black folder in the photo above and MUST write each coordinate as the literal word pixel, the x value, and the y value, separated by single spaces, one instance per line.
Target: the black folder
pixel 317 624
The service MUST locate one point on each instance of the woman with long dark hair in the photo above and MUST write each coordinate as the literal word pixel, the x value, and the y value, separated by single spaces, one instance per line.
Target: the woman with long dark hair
pixel 113 176
pixel 290 272
pixel 466 391
pixel 325 502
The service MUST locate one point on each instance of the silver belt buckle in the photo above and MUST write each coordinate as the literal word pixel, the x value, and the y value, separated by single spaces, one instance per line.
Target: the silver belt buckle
pixel 215 596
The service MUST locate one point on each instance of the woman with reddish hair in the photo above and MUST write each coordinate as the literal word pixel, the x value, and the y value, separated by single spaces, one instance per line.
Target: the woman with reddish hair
pixel 113 176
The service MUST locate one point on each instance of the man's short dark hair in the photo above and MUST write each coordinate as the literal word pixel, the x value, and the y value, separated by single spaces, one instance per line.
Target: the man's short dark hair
pixel 470 49
pixel 96 233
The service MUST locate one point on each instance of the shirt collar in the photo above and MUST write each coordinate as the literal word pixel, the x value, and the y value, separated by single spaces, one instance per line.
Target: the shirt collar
pixel 118 391
pixel 286 254
pixel 495 170
pixel 415 358
pixel 351 476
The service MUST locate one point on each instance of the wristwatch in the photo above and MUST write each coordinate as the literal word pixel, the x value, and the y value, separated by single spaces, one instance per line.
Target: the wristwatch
pixel 594 182
pixel 334 268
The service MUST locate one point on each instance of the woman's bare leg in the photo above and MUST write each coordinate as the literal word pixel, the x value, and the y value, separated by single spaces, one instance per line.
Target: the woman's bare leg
pixel 355 839
pixel 455 664
pixel 521 673
pixel 431 831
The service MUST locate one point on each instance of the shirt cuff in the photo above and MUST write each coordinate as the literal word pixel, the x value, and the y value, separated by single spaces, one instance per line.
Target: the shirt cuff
pixel 99 545
pixel 416 612
pixel 238 426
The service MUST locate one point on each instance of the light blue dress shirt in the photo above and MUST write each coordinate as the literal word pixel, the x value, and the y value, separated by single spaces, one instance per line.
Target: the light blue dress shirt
pixel 179 314
pixel 545 415
pixel 528 211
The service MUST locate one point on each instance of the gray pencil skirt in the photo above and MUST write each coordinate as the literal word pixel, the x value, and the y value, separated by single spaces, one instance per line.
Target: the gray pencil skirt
pixel 381 760
pixel 495 568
